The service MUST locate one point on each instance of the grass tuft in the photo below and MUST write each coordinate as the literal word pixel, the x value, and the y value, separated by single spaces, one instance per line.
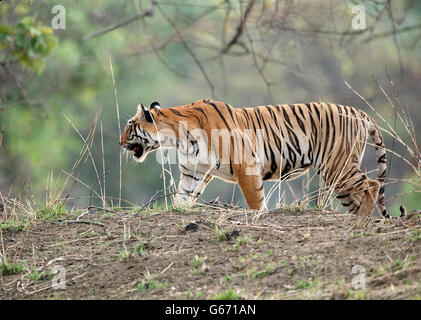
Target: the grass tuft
pixel 229 294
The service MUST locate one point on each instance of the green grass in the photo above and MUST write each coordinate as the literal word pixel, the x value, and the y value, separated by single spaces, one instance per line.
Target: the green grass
pixel 189 294
pixel 8 268
pixel 410 260
pixel 306 284
pixel 416 237
pixel 357 295
pixel 12 226
pixel 266 271
pixel 226 295
pixel 56 211
pixel 139 249
pixel 399 263
pixel 227 278
pixel 239 242
pixel 156 206
pixel 292 208
pixel 37 277
pixel 125 255
pixel 198 265
pixel 307 261
pixel 220 234
pixel 181 210
pixel 150 284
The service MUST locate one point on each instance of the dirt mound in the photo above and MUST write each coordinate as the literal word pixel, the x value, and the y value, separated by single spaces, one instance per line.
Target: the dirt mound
pixel 221 254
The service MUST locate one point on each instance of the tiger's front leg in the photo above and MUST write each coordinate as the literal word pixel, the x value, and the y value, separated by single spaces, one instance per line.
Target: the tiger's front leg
pixel 190 187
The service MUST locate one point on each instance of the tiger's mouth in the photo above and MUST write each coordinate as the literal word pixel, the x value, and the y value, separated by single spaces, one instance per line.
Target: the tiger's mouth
pixel 140 149
pixel 136 149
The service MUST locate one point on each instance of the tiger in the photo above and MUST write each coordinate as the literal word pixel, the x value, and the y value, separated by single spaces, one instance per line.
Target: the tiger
pixel 251 145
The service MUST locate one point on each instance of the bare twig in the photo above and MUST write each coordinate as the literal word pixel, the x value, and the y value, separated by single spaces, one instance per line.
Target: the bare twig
pixel 190 51
pixel 89 150
pixel 119 127
pixel 240 28
pixel 84 222
pixel 125 22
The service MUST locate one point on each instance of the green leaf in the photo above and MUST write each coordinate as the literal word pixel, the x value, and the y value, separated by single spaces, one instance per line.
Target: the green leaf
pixel 51 41
pixel 34 31
pixel 4 40
pixel 28 21
pixel 40 46
pixel 38 64
pixel 46 30
pixel 6 29
pixel 20 41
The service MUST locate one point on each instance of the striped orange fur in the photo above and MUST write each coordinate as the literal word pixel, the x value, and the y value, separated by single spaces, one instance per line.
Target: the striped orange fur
pixel 329 137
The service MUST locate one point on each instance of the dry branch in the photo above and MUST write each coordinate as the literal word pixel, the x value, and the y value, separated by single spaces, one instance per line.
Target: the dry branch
pixel 125 22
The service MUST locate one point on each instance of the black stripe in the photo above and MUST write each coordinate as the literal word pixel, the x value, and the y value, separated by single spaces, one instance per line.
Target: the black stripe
pixel 286 169
pixel 286 117
pixel 292 155
pixel 342 197
pixel 333 128
pixel 200 110
pixel 355 209
pixel 196 117
pixel 187 191
pixel 190 176
pixel 246 114
pixel 300 122
pixel 177 113
pixel 220 114
pixel 316 107
pixel 230 112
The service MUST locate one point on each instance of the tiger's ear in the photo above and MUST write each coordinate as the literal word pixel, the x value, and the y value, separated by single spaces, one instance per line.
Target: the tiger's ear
pixel 144 113
pixel 140 107
pixel 155 105
pixel 148 116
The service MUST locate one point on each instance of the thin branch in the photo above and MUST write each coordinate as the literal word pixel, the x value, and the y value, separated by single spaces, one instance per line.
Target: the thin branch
pixel 389 33
pixel 117 25
pixel 240 28
pixel 119 127
pixel 190 51
pixel 84 222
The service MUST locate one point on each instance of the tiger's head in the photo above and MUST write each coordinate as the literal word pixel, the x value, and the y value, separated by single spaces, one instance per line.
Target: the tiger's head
pixel 140 135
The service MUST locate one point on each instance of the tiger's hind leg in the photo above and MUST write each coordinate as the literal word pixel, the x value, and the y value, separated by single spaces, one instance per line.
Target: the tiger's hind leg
pixel 356 192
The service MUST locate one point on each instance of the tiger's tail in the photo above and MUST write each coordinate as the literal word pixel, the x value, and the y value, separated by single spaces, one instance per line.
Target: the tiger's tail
pixel 377 138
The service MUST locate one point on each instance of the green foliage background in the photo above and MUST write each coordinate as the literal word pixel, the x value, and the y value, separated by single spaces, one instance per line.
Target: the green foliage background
pixel 64 73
